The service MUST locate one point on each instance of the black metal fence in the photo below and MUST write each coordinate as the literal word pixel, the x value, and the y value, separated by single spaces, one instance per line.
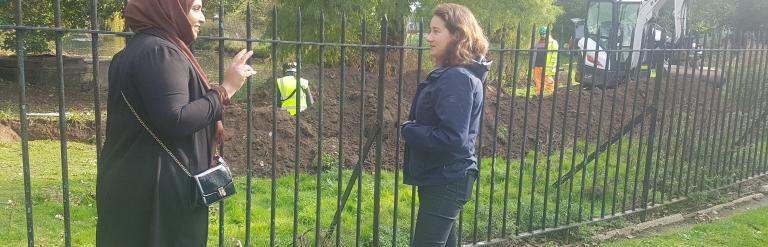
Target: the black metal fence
pixel 549 160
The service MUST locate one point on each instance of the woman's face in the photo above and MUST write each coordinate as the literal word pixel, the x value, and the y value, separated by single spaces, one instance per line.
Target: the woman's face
pixel 196 17
pixel 440 39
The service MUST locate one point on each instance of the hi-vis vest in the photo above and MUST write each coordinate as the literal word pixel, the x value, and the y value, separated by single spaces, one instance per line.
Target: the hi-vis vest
pixel 552 47
pixel 547 57
pixel 288 93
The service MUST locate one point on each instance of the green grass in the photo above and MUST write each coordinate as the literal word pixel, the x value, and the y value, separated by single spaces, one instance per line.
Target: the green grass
pixel 46 196
pixel 523 92
pixel 48 211
pixel 8 113
pixel 521 78
pixel 47 200
pixel 746 229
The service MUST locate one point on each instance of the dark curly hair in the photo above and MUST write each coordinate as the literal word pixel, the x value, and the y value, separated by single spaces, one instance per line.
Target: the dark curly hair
pixel 470 42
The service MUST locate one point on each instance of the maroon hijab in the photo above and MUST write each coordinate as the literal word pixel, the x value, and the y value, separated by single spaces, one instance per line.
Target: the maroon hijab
pixel 170 17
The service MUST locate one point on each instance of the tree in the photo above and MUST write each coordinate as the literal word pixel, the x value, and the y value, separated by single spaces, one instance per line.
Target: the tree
pixel 500 14
pixel 354 10
pixel 711 15
pixel 495 14
pixel 75 14
pixel 750 15
pixel 573 9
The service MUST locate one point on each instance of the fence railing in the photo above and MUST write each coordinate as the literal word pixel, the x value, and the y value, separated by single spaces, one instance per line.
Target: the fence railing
pixel 549 160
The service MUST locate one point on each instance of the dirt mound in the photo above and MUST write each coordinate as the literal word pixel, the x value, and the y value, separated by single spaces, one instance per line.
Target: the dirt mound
pixel 542 124
pixel 43 129
pixel 7 135
pixel 339 130
pixel 558 121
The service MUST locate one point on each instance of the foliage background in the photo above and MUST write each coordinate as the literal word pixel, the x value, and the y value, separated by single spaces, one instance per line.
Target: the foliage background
pixel 495 15
pixel 75 14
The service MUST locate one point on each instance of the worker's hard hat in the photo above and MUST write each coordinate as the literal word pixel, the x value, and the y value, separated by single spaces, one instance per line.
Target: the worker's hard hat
pixel 289 67
pixel 543 30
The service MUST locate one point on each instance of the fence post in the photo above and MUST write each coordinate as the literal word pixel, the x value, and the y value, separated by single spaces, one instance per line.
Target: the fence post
pixel 23 124
pixel 419 69
pixel 221 79
pixel 342 86
pixel 249 129
pixel 505 211
pixel 297 135
pixel 378 136
pixel 273 143
pixel 320 154
pixel 63 125
pixel 659 58
pixel 398 119
pixel 96 85
pixel 499 88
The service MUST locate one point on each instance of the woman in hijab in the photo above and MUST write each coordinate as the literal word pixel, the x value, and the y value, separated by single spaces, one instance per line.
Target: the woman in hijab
pixel 143 197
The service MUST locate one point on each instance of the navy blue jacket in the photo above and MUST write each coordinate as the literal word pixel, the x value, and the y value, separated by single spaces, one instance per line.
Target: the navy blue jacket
pixel 444 122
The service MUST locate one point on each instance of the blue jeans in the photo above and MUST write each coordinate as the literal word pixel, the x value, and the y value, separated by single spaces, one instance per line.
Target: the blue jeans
pixel 439 206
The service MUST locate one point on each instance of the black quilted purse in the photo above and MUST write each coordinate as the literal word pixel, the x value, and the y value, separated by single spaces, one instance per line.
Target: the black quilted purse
pixel 213 185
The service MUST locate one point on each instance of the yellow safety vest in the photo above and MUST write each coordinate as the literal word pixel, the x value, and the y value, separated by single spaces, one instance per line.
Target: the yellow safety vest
pixel 552 47
pixel 288 93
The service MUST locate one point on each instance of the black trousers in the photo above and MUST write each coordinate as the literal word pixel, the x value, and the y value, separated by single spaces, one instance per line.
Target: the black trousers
pixel 439 207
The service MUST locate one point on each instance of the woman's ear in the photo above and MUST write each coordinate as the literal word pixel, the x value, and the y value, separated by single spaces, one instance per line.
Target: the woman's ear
pixel 455 36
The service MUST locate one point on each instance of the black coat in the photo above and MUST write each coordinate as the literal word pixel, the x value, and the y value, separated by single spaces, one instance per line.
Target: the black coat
pixel 143 197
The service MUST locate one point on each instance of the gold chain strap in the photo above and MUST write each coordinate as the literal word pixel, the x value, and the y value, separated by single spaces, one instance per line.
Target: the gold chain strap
pixel 154 136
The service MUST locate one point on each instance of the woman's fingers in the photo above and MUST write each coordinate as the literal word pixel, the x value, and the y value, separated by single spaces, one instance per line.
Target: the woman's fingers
pixel 246 56
pixel 238 59
pixel 241 57
pixel 247 70
pixel 238 70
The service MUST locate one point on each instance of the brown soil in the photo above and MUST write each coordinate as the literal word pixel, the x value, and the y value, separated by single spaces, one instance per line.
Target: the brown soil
pixel 48 128
pixel 337 136
pixel 44 98
pixel 349 133
pixel 7 135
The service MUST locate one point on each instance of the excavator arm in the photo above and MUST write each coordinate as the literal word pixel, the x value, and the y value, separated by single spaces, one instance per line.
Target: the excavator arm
pixel 648 11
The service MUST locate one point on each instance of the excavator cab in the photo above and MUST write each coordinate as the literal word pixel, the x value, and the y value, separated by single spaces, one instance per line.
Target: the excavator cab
pixel 610 31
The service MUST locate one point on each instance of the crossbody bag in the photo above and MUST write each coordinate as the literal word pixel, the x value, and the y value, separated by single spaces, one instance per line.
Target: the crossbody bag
pixel 213 185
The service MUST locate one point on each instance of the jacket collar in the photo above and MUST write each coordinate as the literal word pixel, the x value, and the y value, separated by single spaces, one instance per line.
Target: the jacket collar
pixel 435 74
pixel 478 68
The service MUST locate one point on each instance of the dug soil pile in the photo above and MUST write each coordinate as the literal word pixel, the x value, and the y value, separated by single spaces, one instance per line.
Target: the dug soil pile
pixel 590 113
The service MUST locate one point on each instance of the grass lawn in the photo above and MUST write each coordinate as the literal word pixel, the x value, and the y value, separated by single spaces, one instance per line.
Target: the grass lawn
pixel 48 210
pixel 745 229
pixel 523 92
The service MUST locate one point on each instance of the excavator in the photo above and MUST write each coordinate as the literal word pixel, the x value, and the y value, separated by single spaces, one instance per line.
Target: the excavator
pixel 614 33
pixel 612 37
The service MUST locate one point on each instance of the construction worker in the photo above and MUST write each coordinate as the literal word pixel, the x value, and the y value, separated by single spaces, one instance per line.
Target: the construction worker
pixel 288 93
pixel 545 62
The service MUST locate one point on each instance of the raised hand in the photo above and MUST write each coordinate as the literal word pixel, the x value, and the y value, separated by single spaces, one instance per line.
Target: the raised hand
pixel 235 74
